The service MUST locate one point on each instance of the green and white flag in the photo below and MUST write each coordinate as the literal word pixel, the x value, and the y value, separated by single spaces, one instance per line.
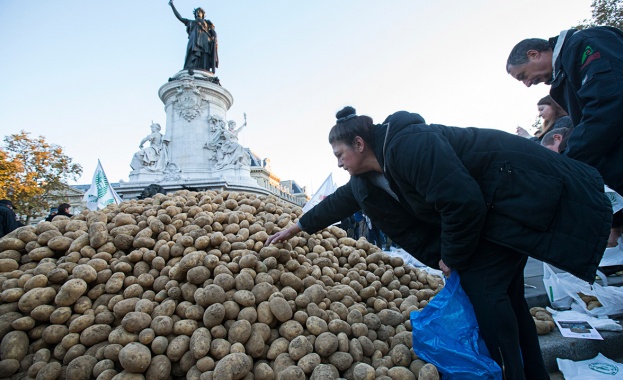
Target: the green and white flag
pixel 100 194
pixel 615 198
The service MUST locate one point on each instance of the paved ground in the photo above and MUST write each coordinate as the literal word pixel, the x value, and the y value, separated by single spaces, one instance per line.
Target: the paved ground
pixel 554 345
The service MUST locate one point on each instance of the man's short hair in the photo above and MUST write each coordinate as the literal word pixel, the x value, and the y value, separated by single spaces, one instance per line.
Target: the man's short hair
pixel 63 206
pixel 548 138
pixel 519 54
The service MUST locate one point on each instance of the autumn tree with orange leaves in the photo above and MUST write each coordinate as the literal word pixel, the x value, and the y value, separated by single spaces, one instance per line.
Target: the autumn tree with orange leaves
pixel 32 172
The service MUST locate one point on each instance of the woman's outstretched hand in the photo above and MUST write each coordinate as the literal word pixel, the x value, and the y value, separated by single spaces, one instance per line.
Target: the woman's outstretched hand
pixel 283 235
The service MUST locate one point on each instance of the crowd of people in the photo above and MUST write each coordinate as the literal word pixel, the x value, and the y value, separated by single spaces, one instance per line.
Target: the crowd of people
pixel 480 202
pixel 9 220
pixel 359 225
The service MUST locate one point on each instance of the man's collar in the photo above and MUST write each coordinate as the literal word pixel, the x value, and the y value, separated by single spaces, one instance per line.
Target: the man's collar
pixel 559 42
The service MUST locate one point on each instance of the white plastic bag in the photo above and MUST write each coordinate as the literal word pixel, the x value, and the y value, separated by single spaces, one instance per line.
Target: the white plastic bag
pixel 597 368
pixel 612 256
pixel 561 286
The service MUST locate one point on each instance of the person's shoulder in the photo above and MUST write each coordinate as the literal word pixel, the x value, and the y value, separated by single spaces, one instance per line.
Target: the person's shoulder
pixel 596 34
pixel 563 122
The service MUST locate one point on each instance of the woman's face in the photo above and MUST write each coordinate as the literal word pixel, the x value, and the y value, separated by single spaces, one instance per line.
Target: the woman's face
pixel 348 157
pixel 546 112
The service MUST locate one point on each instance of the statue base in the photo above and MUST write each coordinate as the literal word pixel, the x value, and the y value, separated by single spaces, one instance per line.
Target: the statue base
pixel 195 104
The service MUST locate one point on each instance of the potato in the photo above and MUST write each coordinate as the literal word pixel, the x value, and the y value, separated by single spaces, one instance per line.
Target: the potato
pixel 542 327
pixel 159 345
pixel 299 347
pixel 290 329
pixel 9 366
pixel 50 371
pixel 8 265
pixel 118 336
pixel 159 368
pixel 14 345
pixel 36 297
pixel 82 322
pixel 70 292
pixel 135 358
pixel 10 243
pixel 233 367
pixel 40 253
pixel 81 368
pixel 428 372
pixel 60 243
pixel 325 371
pixel 280 309
pixel 98 234
pixel 12 295
pixel 53 334
pixel 239 332
pixel 185 327
pixel 102 366
pixel 74 352
pixel 135 322
pixel 200 342
pixel 178 347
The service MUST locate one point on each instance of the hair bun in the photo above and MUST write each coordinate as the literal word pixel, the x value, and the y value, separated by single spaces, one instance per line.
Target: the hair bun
pixel 345 112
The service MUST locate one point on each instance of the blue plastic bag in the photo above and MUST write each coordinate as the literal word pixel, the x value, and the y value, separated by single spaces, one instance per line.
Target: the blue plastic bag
pixel 446 334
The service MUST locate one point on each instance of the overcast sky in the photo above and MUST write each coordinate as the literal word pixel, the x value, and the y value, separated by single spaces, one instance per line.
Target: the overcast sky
pixel 86 74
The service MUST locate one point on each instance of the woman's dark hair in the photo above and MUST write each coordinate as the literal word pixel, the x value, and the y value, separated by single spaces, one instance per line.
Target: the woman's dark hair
pixel 558 113
pixel 349 125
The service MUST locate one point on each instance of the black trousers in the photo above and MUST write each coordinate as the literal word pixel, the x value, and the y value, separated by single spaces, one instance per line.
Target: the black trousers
pixel 494 283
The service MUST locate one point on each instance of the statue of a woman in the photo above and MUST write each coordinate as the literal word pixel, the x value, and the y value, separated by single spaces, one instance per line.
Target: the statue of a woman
pixel 202 48
pixel 225 149
pixel 156 156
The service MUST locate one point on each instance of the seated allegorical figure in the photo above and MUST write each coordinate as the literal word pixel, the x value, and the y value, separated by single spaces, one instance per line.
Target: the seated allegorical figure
pixel 155 157
pixel 226 150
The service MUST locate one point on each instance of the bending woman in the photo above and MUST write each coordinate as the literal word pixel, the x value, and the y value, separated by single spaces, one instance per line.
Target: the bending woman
pixel 477 201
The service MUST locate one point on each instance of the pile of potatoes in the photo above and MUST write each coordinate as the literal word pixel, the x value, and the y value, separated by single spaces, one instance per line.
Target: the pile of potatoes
pixel 543 320
pixel 182 286
pixel 590 301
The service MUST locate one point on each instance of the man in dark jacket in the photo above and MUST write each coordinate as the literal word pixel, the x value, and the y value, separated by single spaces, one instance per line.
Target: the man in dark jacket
pixel 8 221
pixel 480 200
pixel 585 70
pixel 63 209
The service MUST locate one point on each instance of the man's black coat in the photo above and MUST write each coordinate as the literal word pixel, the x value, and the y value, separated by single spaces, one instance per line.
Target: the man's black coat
pixel 588 84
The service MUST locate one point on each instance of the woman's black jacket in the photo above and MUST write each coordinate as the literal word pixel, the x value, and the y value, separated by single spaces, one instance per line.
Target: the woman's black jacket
pixel 456 186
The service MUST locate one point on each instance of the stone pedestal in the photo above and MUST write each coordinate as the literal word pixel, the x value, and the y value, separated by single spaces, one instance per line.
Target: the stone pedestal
pixel 193 103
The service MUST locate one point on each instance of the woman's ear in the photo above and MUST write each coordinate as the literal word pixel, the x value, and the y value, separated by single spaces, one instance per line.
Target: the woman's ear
pixel 359 144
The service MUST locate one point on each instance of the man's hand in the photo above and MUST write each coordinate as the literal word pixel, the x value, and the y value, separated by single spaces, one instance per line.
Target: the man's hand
pixel 283 235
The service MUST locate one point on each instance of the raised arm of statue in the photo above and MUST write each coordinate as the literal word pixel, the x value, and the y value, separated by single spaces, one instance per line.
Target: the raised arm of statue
pixel 232 127
pixel 176 13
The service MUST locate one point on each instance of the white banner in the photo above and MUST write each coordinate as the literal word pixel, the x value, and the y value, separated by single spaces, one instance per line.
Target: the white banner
pixel 327 187
pixel 101 193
